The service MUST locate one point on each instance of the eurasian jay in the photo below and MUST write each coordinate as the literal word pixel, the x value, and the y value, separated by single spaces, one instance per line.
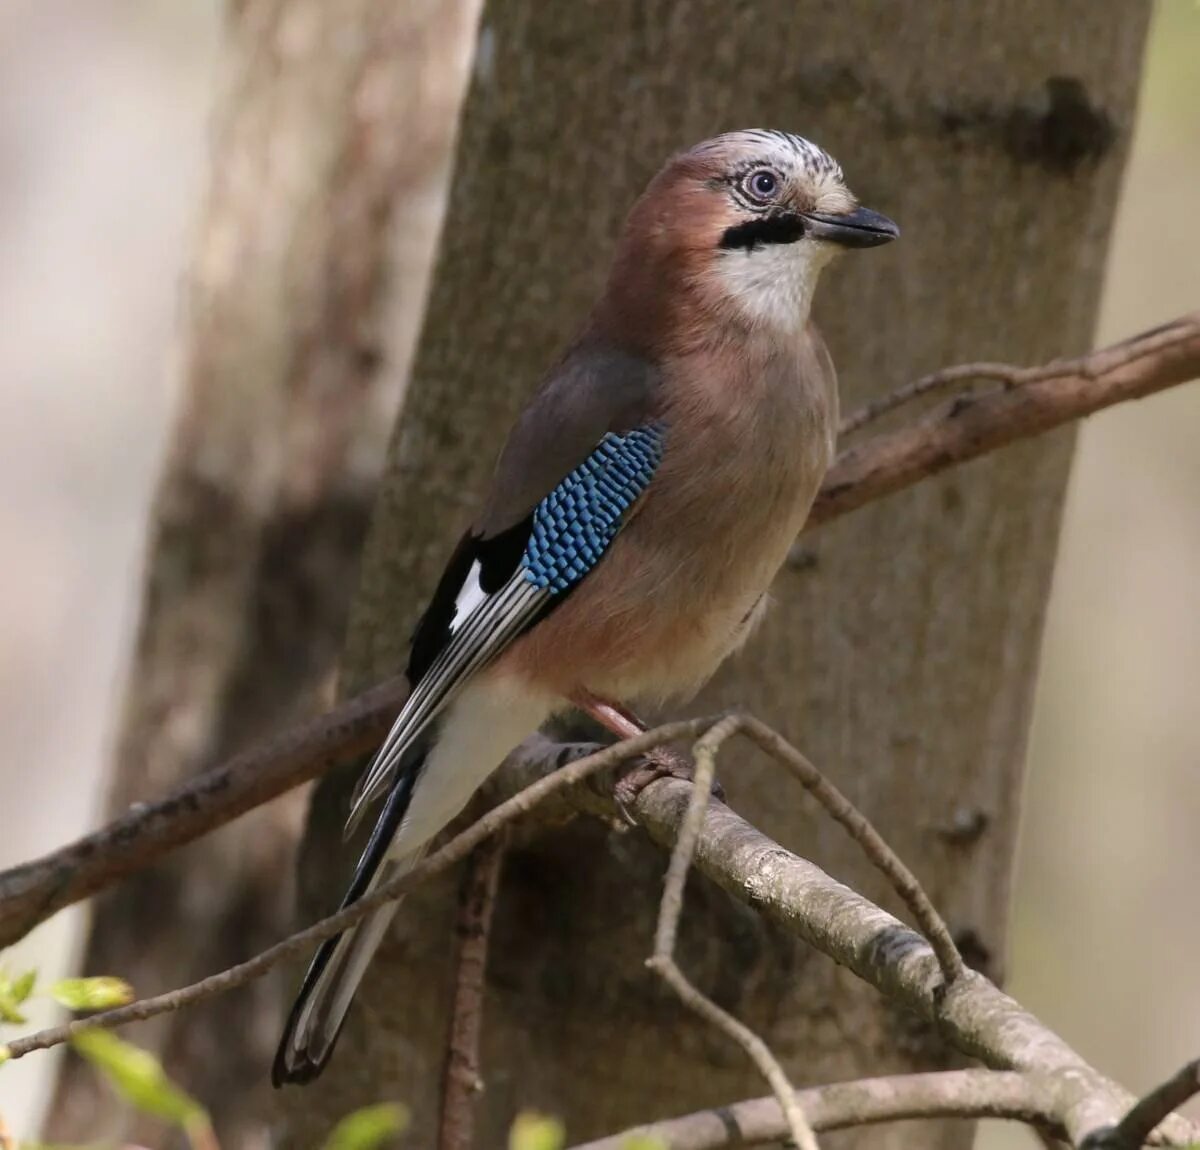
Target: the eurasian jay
pixel 642 505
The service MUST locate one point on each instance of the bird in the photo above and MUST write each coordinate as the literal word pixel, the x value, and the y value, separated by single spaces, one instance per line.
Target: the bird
pixel 643 502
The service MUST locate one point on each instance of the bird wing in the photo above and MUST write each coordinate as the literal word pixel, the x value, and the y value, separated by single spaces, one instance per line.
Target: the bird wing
pixel 581 454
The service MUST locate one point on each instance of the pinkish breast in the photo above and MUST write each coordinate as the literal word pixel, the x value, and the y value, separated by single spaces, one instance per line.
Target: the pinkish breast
pixel 750 434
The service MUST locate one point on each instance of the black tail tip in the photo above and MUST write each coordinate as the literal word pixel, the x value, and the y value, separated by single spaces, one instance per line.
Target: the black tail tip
pixel 298 1067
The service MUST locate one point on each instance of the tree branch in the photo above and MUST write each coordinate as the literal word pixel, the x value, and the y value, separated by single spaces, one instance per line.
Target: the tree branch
pixel 663 963
pixel 302 941
pixel 859 828
pixel 960 430
pixel 1089 366
pixel 33 891
pixel 972 425
pixel 1135 1129
pixel 461 1081
pixel 971 1013
pixel 948 1094
pixel 1032 1098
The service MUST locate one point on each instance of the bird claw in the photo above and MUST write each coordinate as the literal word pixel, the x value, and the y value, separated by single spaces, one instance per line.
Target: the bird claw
pixel 659 763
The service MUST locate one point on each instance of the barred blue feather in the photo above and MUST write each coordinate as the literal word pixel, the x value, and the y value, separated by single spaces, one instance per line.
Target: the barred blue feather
pixel 575 523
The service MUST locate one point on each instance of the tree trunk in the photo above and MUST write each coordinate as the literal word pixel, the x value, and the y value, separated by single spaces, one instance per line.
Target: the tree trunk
pixel 303 299
pixel 902 647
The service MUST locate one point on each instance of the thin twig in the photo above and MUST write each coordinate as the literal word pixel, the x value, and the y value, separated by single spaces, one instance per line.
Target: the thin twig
pixel 961 430
pixel 791 892
pixel 299 943
pixel 946 1094
pixel 935 381
pixel 1135 1129
pixel 797 896
pixel 860 829
pixel 462 1082
pixel 1087 366
pixel 33 891
pixel 670 908
pixel 969 426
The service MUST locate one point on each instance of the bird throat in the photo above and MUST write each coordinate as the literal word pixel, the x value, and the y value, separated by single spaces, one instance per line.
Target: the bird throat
pixel 772 286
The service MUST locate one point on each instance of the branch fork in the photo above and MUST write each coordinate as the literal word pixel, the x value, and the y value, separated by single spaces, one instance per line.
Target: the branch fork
pixel 1033 1075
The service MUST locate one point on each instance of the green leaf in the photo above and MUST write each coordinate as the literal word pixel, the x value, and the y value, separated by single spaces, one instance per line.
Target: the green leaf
pixel 643 1142
pixel 14 991
pixel 137 1076
pixel 533 1131
pixel 8 1010
pixel 22 987
pixel 368 1128
pixel 91 993
pixel 5 1055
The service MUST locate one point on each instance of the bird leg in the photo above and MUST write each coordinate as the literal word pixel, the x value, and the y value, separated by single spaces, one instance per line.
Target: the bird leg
pixel 657 763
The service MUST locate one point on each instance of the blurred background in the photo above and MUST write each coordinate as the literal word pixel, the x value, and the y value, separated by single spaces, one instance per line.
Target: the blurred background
pixel 104 111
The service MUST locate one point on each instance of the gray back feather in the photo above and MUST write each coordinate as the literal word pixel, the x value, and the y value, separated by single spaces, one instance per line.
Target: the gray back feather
pixel 595 389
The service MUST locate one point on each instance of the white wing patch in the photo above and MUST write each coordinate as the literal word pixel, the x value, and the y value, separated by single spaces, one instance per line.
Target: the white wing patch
pixel 469 598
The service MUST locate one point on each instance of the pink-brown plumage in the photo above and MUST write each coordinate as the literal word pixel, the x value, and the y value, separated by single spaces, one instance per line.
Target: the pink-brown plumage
pixel 701 345
pixel 751 412
pixel 750 434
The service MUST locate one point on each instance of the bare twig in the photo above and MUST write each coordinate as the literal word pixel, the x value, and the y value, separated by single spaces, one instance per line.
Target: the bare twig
pixel 794 894
pixel 1086 366
pixel 300 943
pixel 662 962
pixel 946 1094
pixel 972 425
pixel 859 828
pixel 1135 1129
pixel 972 1014
pixel 461 1079
pixel 33 891
pixel 935 381
pixel 961 430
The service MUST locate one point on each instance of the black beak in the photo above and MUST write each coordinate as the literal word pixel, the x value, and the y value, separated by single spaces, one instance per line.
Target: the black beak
pixel 861 228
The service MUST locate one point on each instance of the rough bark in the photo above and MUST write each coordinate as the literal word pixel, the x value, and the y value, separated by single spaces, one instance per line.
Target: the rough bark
pixel 901 651
pixel 302 299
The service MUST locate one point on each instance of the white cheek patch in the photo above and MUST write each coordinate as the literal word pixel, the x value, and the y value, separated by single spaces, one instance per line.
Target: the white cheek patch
pixel 773 284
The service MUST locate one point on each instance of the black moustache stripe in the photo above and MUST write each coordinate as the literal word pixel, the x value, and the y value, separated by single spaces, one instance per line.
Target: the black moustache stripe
pixel 764 230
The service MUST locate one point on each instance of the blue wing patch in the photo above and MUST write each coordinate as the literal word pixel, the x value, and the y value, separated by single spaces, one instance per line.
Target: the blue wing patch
pixel 572 528
pixel 575 523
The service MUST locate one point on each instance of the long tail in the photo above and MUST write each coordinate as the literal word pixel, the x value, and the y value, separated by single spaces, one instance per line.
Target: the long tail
pixel 338 967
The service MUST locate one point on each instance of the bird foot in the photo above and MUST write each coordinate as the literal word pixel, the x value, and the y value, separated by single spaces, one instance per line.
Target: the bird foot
pixel 659 763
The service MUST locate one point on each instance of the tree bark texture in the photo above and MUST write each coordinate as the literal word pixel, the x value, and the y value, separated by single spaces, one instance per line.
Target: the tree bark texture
pixel 901 650
pixel 329 159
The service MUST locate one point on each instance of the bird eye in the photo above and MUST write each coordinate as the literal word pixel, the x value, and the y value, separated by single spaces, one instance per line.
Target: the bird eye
pixel 762 184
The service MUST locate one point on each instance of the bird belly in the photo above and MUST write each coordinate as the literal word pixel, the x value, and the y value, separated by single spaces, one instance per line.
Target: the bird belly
pixel 682 656
pixel 661 613
pixel 675 643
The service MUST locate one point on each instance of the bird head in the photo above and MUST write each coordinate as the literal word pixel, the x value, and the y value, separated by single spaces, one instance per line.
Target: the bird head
pixel 739 228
